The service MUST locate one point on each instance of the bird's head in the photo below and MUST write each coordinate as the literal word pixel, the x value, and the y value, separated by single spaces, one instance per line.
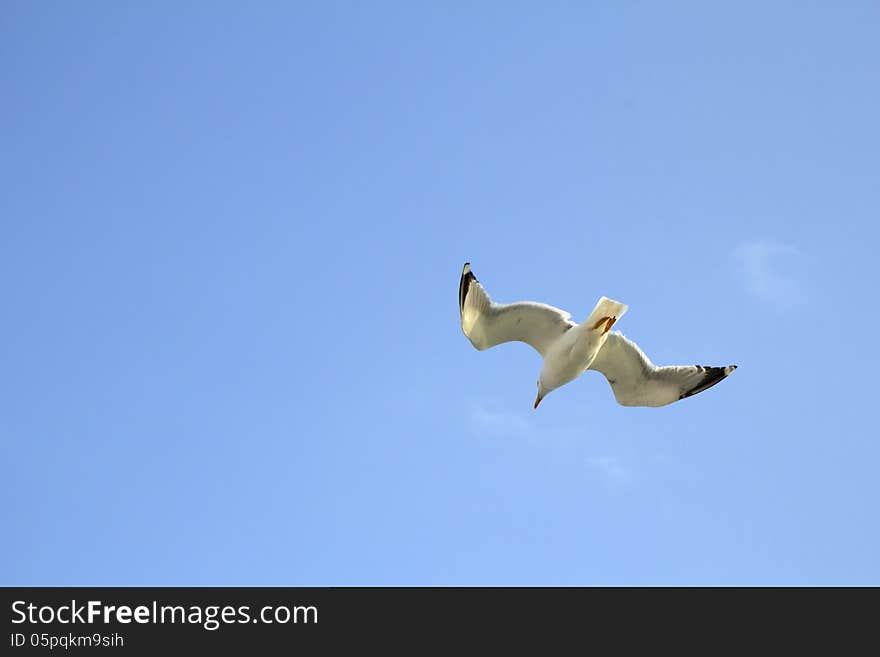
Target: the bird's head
pixel 543 391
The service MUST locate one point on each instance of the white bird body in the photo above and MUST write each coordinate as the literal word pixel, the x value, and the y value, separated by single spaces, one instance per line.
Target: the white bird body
pixel 569 349
pixel 574 351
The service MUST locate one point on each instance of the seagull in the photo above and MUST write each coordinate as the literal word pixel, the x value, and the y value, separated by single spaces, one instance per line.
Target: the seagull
pixel 570 349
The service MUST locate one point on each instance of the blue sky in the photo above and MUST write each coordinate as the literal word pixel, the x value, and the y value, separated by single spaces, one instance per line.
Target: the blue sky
pixel 232 238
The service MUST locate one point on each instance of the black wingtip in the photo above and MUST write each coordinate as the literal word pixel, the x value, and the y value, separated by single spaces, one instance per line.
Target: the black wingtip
pixel 713 375
pixel 464 285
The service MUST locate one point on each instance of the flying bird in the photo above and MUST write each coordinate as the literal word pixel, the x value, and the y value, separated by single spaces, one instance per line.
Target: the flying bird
pixel 569 349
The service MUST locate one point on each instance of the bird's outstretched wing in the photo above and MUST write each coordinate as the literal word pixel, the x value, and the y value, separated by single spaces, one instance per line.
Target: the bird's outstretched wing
pixel 486 323
pixel 636 381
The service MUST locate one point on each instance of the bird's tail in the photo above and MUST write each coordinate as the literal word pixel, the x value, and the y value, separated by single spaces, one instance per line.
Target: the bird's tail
pixel 606 308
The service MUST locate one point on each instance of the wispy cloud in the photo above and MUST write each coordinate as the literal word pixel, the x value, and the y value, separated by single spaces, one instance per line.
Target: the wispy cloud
pixel 483 422
pixel 611 470
pixel 770 270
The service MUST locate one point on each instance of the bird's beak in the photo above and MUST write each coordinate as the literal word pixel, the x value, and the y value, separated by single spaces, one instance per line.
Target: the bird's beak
pixel 538 400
